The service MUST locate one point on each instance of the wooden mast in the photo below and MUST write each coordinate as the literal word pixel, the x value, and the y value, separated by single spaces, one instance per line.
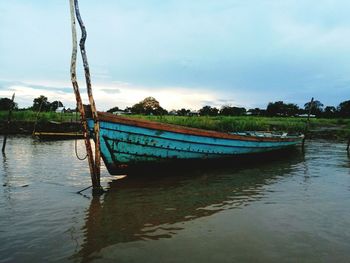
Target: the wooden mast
pixel 94 178
pixel 89 91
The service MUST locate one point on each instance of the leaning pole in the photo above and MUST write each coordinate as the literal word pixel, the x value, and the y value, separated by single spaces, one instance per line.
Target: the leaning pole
pixel 95 177
pixel 89 91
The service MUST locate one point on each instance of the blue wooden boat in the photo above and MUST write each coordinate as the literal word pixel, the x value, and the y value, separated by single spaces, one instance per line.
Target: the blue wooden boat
pixel 133 141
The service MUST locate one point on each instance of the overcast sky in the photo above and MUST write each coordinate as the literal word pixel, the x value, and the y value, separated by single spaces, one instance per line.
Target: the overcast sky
pixel 183 53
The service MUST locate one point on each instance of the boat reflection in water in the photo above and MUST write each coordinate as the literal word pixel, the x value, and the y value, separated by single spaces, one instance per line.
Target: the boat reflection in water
pixel 153 205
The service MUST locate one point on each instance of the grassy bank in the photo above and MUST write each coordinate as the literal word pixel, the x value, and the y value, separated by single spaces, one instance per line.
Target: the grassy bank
pixel 30 116
pixel 322 128
pixel 23 122
pixel 335 128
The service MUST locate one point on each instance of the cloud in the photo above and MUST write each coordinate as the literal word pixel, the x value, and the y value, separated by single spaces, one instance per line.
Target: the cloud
pixel 26 93
pixel 11 84
pixel 110 90
pixel 126 94
pixel 245 52
pixel 169 97
pixel 107 96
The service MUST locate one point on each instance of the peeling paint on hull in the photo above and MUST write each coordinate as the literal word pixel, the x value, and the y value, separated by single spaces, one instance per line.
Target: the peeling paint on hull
pixel 122 143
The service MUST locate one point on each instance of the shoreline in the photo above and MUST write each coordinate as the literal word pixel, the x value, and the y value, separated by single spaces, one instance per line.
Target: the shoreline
pixel 27 127
pixel 338 132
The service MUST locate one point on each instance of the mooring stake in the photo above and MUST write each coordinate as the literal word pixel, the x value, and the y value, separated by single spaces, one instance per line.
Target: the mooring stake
pixel 307 122
pixel 95 177
pixel 37 117
pixel 8 123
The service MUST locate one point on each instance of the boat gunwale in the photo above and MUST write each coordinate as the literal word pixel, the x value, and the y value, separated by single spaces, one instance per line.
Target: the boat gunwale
pixel 109 117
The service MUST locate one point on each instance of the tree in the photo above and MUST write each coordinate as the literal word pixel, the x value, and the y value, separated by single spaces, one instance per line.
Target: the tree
pixel 137 109
pixel 148 106
pixel 6 103
pixel 114 109
pixel 291 109
pixel 183 112
pixel 41 103
pixel 279 108
pixel 208 111
pixel 274 108
pixel 329 112
pixel 257 112
pixel 316 107
pixel 344 109
pixel 56 104
pixel 232 111
pixel 128 110
pixel 159 111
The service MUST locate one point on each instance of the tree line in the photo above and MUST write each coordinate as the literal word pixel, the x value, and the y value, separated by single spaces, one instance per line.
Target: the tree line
pixel 40 103
pixel 150 106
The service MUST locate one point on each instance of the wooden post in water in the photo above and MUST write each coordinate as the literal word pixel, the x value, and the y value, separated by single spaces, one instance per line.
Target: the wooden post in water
pixel 308 122
pixel 348 146
pixel 8 123
pixel 95 179
pixel 37 118
pixel 89 91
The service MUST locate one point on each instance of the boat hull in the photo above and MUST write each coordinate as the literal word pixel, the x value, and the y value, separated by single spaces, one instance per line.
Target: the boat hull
pixel 126 143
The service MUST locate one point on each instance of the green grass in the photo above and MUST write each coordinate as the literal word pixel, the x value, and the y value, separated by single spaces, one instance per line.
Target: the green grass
pixel 250 123
pixel 337 127
pixel 31 116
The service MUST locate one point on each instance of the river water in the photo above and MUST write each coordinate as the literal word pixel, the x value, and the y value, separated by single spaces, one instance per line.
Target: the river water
pixel 294 207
